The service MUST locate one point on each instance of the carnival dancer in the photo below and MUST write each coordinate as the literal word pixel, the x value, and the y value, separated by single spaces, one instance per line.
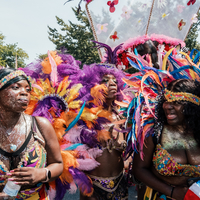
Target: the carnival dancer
pixel 30 154
pixel 97 141
pixel 108 178
pixel 81 117
pixel 165 127
pixel 55 89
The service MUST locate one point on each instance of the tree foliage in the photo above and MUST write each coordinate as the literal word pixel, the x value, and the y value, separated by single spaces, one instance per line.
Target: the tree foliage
pixel 191 40
pixel 8 53
pixel 76 38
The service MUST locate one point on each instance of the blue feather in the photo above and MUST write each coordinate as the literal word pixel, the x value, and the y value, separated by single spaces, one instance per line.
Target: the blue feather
pixel 75 120
pixel 72 147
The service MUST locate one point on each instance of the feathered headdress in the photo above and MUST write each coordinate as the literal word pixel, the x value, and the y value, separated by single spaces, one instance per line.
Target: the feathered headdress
pixel 147 86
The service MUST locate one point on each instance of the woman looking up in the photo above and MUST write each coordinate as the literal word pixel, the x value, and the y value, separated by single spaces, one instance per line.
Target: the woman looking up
pixel 171 155
pixel 29 151
pixel 108 178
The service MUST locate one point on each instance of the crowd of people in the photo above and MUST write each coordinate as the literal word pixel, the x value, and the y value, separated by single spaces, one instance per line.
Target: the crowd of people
pixel 101 129
pixel 84 131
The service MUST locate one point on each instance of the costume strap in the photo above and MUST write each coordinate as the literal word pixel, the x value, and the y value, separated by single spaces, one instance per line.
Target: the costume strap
pixel 181 96
pixel 12 75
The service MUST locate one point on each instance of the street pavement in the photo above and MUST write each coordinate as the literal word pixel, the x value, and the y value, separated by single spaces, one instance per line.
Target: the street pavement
pixel 132 195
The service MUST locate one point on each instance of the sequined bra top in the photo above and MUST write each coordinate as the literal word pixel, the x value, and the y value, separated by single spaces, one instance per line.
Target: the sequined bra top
pixel 167 166
pixel 33 156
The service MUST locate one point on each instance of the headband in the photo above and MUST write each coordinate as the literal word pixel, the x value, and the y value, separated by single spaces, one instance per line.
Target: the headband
pixel 181 96
pixel 12 75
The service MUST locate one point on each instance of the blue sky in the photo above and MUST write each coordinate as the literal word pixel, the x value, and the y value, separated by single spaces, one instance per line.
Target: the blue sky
pixel 25 22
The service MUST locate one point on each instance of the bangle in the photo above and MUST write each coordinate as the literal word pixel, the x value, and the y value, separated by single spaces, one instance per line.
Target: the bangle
pixel 48 175
pixel 172 190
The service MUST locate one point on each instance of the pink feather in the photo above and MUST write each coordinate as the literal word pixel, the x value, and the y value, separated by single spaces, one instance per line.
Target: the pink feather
pixel 95 152
pixel 38 87
pixel 87 164
pixel 54 75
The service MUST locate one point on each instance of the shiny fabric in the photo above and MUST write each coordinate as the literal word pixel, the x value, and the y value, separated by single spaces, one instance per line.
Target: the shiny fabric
pixel 167 166
pixel 34 156
pixel 112 188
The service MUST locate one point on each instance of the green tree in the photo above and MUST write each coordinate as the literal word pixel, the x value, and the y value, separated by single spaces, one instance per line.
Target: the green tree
pixel 8 53
pixel 76 38
pixel 191 40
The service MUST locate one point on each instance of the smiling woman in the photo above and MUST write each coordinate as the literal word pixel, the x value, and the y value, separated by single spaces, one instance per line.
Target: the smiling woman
pixel 29 151
pixel 171 155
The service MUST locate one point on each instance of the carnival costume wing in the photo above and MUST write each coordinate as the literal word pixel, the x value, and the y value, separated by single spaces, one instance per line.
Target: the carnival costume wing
pixel 146 87
pixel 54 96
pixel 134 22
pixel 72 100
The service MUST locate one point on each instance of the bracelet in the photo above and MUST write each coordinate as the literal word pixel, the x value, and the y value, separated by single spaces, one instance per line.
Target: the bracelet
pixel 172 190
pixel 48 175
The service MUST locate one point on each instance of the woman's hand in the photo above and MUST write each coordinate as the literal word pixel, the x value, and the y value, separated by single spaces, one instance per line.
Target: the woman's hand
pixel 179 192
pixel 27 175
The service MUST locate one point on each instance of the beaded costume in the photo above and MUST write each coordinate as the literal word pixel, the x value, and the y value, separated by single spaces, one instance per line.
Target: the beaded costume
pixel 111 187
pixel 33 155
pixel 167 166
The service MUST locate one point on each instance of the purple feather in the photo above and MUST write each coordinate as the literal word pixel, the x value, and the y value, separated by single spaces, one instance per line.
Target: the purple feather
pixel 88 137
pixel 83 182
pixel 111 57
pixel 61 189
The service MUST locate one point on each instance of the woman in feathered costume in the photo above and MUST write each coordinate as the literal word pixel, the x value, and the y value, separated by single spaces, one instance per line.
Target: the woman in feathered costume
pixel 55 89
pixel 165 141
pixel 83 100
pixel 104 136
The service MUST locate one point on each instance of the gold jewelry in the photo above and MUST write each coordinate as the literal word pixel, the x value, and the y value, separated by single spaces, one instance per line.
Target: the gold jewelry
pixel 181 96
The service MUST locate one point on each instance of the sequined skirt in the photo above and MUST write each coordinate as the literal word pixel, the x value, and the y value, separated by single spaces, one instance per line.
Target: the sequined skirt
pixel 112 188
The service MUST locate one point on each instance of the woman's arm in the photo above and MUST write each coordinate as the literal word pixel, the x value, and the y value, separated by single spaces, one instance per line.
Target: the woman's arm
pixel 54 158
pixel 142 171
pixel 31 176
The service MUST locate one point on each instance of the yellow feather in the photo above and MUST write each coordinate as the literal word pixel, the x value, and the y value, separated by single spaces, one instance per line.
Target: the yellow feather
pixel 165 59
pixel 88 116
pixel 64 90
pixel 39 93
pixel 64 81
pixel 59 87
pixel 74 104
pixel 74 92
pixel 44 87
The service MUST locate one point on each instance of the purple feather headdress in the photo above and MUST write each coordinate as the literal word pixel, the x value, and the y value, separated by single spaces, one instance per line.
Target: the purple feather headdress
pixel 111 55
pixel 93 74
pixel 68 67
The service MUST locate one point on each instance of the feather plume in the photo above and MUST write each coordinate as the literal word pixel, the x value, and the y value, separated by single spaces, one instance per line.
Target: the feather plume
pixel 84 182
pixel 61 189
pixel 53 75
pixel 69 160
pixel 31 107
pixel 87 164
pixel 74 104
pixel 111 55
pixel 98 93
pixel 74 92
pixel 59 127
